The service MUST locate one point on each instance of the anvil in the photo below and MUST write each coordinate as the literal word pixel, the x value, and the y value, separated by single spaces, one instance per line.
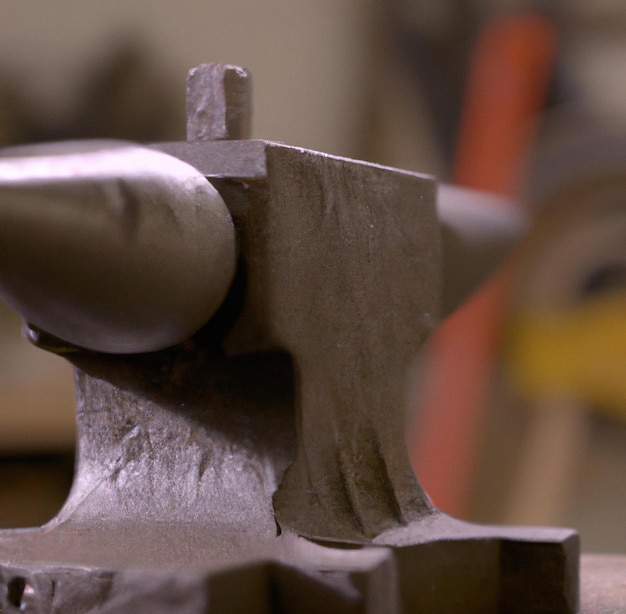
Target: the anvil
pixel 242 315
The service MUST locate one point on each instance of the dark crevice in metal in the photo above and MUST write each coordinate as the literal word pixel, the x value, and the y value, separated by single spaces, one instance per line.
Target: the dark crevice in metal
pixel 15 591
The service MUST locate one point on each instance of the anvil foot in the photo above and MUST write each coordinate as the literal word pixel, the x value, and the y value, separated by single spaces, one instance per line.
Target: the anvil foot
pixel 467 569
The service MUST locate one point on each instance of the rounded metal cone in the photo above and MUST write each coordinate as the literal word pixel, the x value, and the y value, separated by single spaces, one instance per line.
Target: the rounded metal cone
pixel 111 246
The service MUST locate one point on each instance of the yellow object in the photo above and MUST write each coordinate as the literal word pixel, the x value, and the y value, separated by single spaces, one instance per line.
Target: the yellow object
pixel 579 352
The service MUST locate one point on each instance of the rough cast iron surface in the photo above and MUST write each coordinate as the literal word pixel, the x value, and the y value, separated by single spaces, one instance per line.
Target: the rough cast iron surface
pixel 203 469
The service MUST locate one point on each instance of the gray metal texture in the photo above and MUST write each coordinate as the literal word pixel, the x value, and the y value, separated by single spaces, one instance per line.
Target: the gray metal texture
pixel 259 465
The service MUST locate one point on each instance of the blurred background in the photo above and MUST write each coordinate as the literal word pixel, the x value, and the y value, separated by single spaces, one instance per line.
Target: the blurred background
pixel 518 405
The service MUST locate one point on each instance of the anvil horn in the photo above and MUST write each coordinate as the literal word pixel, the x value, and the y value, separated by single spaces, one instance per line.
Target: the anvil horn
pixel 111 246
pixel 478 231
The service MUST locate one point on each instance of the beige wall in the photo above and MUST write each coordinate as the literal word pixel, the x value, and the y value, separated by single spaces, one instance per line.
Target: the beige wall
pixel 306 56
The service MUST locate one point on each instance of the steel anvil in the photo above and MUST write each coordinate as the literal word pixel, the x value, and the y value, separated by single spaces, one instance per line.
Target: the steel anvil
pixel 242 315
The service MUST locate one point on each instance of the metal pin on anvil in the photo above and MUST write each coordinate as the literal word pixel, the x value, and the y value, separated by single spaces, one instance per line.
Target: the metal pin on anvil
pixel 262 469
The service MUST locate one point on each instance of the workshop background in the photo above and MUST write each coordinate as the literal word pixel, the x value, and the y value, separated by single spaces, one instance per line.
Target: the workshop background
pixel 518 406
